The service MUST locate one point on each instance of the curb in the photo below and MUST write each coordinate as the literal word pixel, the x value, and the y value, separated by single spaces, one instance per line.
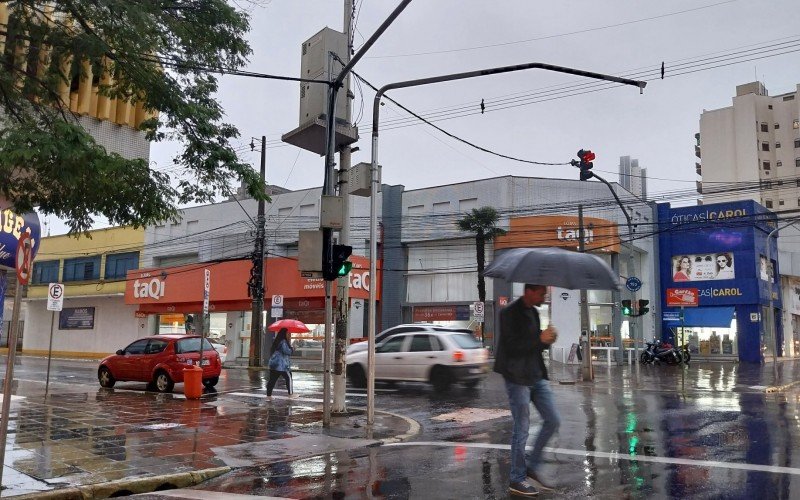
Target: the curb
pixel 777 388
pixel 413 428
pixel 130 486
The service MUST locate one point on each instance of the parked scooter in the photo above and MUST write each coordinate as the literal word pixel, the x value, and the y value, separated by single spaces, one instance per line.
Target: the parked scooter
pixel 658 351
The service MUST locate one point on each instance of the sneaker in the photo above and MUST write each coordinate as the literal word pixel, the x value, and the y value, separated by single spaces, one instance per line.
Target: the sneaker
pixel 524 488
pixel 537 481
pixel 293 395
pixel 269 398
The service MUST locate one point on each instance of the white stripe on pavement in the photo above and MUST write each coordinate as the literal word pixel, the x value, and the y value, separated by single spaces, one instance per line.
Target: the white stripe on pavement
pixel 618 456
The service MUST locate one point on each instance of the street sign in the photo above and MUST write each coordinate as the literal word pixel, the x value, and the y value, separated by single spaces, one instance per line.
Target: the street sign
pixel 478 310
pixel 633 284
pixel 206 290
pixel 672 316
pixel 277 312
pixel 683 297
pixel 24 258
pixel 55 297
pixel 277 301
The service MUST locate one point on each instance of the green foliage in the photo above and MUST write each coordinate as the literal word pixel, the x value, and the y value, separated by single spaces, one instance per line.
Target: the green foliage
pixel 160 53
pixel 483 223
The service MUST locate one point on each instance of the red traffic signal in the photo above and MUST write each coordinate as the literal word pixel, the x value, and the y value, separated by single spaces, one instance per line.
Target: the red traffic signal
pixel 586 157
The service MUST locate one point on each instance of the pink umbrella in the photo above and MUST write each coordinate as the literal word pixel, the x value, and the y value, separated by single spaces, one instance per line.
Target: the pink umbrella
pixel 291 325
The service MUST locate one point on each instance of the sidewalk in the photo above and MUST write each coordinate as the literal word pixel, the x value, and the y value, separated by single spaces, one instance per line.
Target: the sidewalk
pixel 92 445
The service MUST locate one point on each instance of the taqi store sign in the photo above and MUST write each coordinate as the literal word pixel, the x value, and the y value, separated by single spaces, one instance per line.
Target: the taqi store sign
pixel 559 231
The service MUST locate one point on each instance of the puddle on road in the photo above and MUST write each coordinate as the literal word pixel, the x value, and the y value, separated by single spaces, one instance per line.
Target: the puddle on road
pixel 472 415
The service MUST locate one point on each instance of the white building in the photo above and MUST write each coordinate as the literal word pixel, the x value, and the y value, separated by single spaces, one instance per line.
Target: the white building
pixel 751 150
pixel 632 177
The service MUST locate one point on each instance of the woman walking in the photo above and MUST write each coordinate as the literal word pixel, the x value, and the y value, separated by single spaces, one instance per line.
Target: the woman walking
pixel 279 362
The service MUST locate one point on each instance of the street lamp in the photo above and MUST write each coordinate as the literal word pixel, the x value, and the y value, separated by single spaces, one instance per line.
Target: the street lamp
pixel 375 183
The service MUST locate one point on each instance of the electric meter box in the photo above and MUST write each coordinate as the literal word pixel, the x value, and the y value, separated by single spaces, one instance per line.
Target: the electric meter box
pixel 360 178
pixel 309 251
pixel 314 66
pixel 331 212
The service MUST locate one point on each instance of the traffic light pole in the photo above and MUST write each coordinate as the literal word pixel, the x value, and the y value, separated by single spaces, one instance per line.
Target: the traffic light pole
pixel 375 184
pixel 587 374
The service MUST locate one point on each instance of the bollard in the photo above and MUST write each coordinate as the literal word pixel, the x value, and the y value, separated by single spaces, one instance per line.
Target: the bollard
pixel 193 382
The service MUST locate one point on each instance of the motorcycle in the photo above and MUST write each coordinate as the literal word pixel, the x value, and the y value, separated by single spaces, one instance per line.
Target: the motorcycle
pixel 658 351
pixel 685 354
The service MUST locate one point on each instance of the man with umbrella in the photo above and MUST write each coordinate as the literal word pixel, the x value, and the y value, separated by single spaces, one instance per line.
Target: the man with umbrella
pixel 519 360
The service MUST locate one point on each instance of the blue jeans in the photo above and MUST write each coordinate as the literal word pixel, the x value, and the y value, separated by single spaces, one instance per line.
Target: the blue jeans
pixel 519 398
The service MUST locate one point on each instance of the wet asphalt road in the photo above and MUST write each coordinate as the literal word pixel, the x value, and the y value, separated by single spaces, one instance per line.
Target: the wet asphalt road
pixel 708 431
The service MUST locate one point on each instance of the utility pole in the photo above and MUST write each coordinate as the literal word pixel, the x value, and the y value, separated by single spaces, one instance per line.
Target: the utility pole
pixel 257 274
pixel 586 371
pixel 343 285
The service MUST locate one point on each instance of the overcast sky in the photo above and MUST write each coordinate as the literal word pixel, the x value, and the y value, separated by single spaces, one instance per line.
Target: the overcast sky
pixel 657 128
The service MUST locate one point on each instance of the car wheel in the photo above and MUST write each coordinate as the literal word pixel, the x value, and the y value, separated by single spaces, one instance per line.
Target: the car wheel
pixel 162 382
pixel 471 384
pixel 440 378
pixel 211 382
pixel 357 376
pixel 105 378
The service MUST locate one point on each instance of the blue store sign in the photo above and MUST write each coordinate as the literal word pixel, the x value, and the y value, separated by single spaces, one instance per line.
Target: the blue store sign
pixel 11 227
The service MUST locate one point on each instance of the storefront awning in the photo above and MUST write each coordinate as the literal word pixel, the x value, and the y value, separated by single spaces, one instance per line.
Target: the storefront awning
pixel 719 317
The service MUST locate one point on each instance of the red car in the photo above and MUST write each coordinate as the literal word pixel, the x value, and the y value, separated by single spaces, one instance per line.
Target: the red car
pixel 160 360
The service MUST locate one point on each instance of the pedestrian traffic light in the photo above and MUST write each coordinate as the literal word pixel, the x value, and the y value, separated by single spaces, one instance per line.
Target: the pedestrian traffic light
pixel 627 310
pixel 586 157
pixel 643 309
pixel 339 265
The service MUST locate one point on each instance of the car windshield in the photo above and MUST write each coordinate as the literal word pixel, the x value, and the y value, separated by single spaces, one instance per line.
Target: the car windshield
pixel 192 345
pixel 465 341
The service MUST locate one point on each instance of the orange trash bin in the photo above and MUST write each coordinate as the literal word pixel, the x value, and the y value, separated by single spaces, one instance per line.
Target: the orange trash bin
pixel 193 382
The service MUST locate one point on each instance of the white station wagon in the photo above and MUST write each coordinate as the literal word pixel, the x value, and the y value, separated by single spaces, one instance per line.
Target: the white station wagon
pixel 441 358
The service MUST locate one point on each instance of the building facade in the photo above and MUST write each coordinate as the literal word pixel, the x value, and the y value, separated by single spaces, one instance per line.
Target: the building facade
pixel 95 320
pixel 751 151
pixel 717 275
pixel 632 177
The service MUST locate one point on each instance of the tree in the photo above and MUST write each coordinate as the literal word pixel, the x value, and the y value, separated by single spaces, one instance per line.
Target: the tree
pixel 483 223
pixel 159 56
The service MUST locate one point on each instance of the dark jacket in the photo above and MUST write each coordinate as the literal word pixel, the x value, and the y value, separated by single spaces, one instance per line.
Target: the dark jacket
pixel 519 348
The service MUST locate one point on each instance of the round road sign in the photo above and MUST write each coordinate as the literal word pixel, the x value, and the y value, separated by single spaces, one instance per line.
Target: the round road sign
pixel 633 284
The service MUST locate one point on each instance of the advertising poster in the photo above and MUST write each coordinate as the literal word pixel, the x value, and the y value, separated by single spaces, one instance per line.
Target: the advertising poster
pixel 76 318
pixel 794 296
pixel 765 269
pixel 703 267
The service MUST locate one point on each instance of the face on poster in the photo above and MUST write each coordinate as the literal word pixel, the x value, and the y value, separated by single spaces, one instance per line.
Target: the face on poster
pixel 703 267
pixel 794 296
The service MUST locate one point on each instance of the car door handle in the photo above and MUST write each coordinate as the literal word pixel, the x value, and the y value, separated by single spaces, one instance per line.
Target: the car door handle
pixel 398 357
pixel 431 357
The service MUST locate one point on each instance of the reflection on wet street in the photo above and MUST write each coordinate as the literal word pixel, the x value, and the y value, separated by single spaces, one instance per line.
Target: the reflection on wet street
pixel 707 431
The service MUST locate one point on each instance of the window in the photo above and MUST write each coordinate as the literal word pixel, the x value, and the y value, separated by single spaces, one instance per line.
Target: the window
pixel 416 209
pixel 796 124
pixel 392 345
pixel 467 204
pixel 779 163
pixel 46 271
pixel 788 98
pixel 137 347
pixel 465 341
pixel 82 269
pixel 308 210
pixel 155 346
pixel 441 207
pixel 769 106
pixel 420 343
pixel 764 146
pixel 777 145
pixel 797 143
pixel 780 203
pixel 764 127
pixel 768 203
pixel 192 345
pixel 777 126
pixel 766 165
pixel 797 162
pixel 118 264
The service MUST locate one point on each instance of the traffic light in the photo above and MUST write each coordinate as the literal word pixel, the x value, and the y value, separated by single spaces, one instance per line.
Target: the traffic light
pixel 586 157
pixel 339 265
pixel 627 309
pixel 643 309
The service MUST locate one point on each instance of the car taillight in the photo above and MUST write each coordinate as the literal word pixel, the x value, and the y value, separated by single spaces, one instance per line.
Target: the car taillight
pixel 458 356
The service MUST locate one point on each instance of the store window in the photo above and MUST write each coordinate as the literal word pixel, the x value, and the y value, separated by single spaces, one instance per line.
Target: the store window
pixel 82 269
pixel 46 271
pixel 118 265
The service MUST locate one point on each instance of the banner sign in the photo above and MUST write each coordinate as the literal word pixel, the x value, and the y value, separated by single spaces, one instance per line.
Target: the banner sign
pixel 683 297
pixel 12 226
pixel 76 318
pixel 703 267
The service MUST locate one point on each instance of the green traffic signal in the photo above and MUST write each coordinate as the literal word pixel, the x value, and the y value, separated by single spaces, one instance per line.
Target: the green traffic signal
pixel 345 269
pixel 627 309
